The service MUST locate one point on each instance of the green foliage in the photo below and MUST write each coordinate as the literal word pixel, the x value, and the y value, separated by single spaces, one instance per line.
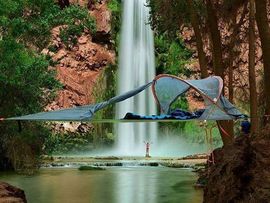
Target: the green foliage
pixel 171 58
pixel 115 8
pixel 26 83
pixel 105 89
pixel 195 132
pixel 171 55
pixel 68 143
pixel 168 16
pixel 24 76
pixel 31 21
pixel 180 103
pixel 22 148
pixel 76 20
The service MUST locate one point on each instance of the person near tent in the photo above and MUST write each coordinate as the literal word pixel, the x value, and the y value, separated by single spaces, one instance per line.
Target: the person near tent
pixel 147 149
pixel 245 127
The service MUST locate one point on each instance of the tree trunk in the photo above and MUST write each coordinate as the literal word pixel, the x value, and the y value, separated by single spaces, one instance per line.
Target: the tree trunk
pixel 225 127
pixel 63 3
pixel 231 58
pixel 90 4
pixel 199 43
pixel 264 32
pixel 235 26
pixel 252 75
pixel 215 39
pixel 230 85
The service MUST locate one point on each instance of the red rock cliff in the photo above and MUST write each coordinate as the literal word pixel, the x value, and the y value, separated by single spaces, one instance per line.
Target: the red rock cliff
pixel 79 67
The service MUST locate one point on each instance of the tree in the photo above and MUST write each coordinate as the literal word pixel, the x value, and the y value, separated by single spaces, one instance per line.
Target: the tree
pixel 168 16
pixel 215 37
pixel 199 43
pixel 264 33
pixel 252 75
pixel 225 127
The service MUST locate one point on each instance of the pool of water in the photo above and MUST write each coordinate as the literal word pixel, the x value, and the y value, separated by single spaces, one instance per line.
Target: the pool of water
pixel 113 185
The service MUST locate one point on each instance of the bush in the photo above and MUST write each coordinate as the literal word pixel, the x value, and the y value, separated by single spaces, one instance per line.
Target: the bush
pixel 171 56
pixel 68 143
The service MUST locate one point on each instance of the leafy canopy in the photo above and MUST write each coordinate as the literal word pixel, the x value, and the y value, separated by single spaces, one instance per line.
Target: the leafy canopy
pixel 31 21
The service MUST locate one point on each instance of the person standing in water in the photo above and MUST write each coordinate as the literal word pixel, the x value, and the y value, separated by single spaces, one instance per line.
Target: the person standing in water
pixel 147 149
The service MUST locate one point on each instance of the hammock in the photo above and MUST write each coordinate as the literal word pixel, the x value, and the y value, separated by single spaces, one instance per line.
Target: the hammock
pixel 166 90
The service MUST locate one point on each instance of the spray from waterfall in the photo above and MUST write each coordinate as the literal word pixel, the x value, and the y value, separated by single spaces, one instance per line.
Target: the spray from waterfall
pixel 137 67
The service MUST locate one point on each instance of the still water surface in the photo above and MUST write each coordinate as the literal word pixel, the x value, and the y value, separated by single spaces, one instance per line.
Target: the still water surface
pixel 113 185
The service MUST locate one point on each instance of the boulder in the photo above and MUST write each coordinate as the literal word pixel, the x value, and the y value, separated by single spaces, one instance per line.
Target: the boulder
pixel 241 172
pixel 11 194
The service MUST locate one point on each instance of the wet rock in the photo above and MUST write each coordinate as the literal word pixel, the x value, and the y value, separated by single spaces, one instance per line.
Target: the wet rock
pixel 109 164
pixel 108 158
pixel 177 165
pixel 196 156
pixel 90 168
pixel 11 194
pixel 149 164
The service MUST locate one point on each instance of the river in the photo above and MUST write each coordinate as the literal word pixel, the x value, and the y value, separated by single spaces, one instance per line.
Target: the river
pixel 113 185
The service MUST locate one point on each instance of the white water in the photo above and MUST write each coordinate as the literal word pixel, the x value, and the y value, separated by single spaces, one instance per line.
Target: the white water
pixel 137 68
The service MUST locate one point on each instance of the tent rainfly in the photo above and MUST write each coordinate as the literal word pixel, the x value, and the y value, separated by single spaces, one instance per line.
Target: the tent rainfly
pixel 166 89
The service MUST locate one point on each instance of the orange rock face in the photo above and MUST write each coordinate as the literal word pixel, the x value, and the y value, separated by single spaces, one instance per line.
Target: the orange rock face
pixel 102 16
pixel 79 67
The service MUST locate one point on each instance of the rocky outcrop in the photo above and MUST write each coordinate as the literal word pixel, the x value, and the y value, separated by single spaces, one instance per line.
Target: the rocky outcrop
pixel 78 67
pixel 11 194
pixel 103 18
pixel 241 172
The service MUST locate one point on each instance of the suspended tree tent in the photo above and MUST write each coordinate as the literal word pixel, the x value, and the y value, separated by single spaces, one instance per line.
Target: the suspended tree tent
pixel 166 89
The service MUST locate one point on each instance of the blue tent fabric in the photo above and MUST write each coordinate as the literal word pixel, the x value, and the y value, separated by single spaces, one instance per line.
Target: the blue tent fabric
pixel 177 114
pixel 80 113
pixel 166 90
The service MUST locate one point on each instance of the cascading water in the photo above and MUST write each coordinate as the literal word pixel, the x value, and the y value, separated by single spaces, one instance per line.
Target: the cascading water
pixel 137 68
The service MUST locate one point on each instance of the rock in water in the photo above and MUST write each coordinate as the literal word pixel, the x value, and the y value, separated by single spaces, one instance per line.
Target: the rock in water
pixel 11 194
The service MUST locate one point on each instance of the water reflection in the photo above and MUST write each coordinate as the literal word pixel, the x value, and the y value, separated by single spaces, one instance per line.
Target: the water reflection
pixel 136 186
pixel 114 185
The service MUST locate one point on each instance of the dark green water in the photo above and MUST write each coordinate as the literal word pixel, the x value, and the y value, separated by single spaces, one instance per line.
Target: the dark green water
pixel 114 185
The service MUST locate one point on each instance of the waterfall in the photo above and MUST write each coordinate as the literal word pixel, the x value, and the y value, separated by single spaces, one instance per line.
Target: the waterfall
pixel 136 67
